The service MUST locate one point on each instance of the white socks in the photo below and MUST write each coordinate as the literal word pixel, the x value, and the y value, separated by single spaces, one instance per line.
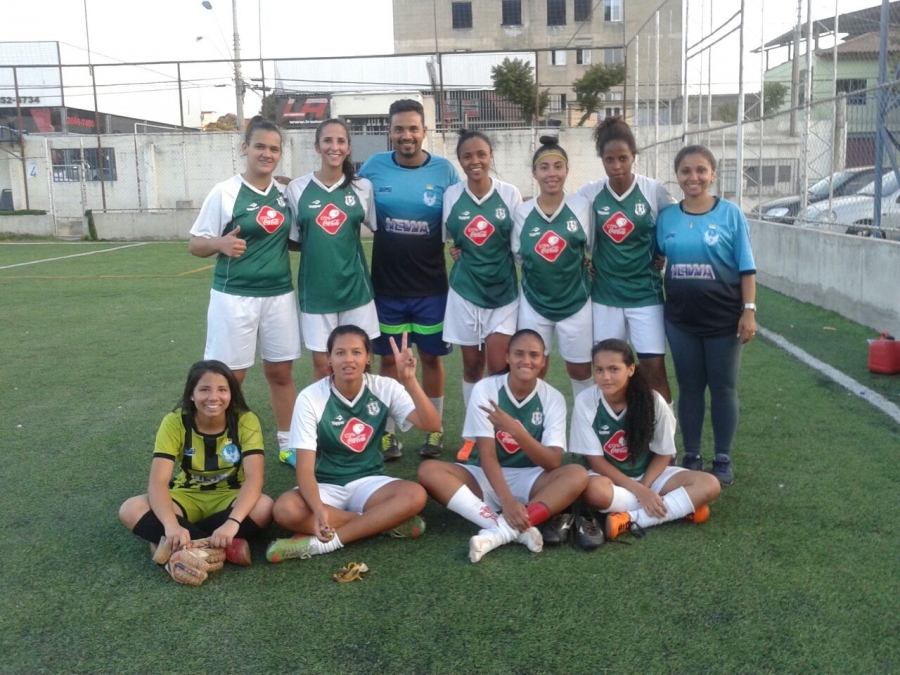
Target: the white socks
pixel 389 426
pixel 467 388
pixel 623 500
pixel 317 547
pixel 678 505
pixel 579 386
pixel 465 503
pixel 438 403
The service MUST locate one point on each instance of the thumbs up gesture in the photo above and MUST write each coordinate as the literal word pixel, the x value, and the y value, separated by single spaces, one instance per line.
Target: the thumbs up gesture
pixel 232 245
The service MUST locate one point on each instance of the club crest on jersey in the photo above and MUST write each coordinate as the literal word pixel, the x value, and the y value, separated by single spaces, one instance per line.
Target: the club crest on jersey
pixel 507 442
pixel 356 435
pixel 711 238
pixel 500 213
pixel 479 230
pixel 550 246
pixel 231 454
pixel 572 226
pixel 281 201
pixel 190 452
pixel 537 417
pixel 373 407
pixel 616 447
pixel 331 218
pixel 429 196
pixel 269 219
pixel 350 200
pixel 618 227
pixel 640 209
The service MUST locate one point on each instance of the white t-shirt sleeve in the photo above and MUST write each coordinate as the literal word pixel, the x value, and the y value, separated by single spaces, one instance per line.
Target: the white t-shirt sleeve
pixel 396 398
pixel 554 419
pixel 212 218
pixel 663 441
pixel 515 239
pixel 584 213
pixel 477 424
pixel 582 439
pixel 308 410
pixel 366 194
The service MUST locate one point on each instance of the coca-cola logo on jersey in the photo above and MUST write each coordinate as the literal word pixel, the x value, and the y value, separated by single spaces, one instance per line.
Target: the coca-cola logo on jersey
pixel 616 447
pixel 269 219
pixel 507 442
pixel 618 227
pixel 479 230
pixel 356 434
pixel 550 246
pixel 331 218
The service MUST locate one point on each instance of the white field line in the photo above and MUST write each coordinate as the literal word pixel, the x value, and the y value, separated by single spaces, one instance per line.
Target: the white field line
pixel 851 385
pixel 74 255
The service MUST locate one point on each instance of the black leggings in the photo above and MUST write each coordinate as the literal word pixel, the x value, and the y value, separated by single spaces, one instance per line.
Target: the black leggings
pixel 150 528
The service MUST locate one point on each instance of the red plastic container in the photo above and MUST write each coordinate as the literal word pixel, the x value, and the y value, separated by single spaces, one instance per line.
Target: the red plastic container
pixel 884 355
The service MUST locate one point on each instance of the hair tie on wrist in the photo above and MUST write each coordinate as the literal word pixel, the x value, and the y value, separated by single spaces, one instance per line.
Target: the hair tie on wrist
pixel 235 520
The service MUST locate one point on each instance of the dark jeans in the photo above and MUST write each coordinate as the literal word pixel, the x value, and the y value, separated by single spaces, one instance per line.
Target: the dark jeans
pixel 702 363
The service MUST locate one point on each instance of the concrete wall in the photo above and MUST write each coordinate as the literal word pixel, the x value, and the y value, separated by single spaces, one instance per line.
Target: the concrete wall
pixel 38 226
pixel 857 277
pixel 145 226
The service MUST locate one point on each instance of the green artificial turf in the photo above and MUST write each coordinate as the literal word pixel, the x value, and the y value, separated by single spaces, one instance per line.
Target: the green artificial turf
pixel 795 572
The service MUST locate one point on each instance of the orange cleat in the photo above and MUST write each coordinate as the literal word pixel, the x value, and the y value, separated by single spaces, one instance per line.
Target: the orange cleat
pixel 701 515
pixel 465 451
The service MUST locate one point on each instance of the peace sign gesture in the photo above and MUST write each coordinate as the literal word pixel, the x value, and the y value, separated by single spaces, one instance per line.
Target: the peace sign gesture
pixel 406 362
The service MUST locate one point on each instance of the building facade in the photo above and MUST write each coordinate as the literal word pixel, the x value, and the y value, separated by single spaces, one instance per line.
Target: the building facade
pixel 560 38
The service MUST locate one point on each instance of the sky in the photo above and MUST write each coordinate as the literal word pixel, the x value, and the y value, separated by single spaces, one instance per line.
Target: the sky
pixel 171 30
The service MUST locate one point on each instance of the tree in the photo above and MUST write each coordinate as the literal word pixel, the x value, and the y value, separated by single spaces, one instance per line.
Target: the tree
pixel 224 123
pixel 514 81
pixel 774 94
pixel 269 108
pixel 590 87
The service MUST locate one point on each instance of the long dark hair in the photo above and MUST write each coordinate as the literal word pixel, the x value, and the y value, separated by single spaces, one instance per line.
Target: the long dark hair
pixel 614 129
pixel 235 408
pixel 348 167
pixel 640 422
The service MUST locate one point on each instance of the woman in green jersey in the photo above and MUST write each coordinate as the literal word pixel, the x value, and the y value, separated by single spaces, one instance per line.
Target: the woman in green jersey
pixel 245 223
pixel 518 424
pixel 551 238
pixel 627 432
pixel 626 285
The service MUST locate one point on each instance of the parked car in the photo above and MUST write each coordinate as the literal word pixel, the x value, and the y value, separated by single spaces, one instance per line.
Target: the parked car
pixel 846 182
pixel 855 214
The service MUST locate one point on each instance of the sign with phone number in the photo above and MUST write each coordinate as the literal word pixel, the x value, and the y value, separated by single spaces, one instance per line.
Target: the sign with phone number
pixel 23 100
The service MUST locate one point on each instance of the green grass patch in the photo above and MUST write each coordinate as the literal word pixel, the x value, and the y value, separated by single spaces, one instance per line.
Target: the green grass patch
pixel 794 573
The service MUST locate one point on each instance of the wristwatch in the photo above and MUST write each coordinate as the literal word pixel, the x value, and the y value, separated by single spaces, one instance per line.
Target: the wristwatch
pixel 750 305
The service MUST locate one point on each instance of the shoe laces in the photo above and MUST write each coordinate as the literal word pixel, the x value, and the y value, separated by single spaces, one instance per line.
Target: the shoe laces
pixel 435 438
pixel 387 440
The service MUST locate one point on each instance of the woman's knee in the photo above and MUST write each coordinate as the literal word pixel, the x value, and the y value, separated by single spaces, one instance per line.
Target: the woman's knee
pixel 599 492
pixel 261 513
pixel 132 510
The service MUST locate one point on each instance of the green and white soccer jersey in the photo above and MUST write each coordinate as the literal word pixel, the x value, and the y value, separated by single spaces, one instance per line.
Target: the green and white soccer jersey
pixel 542 413
pixel 333 275
pixel 597 430
pixel 552 250
pixel 264 270
pixel 346 435
pixel 208 462
pixel 485 273
pixel 625 242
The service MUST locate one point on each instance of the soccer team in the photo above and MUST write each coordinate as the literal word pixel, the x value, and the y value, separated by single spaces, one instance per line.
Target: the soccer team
pixel 591 266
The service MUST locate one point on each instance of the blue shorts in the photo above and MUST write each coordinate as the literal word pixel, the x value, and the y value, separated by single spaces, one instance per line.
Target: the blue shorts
pixel 421 318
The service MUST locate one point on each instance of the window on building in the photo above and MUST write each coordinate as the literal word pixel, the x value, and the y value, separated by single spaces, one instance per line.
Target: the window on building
pixel 557 103
pixel 613 56
pixel 853 88
pixel 462 14
pixel 512 13
pixel 557 57
pixel 784 173
pixel 583 10
pixel 613 96
pixel 68 165
pixel 583 57
pixel 612 10
pixel 556 12
pixel 611 112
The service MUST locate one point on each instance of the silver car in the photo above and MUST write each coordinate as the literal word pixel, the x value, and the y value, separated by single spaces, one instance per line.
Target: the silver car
pixel 855 214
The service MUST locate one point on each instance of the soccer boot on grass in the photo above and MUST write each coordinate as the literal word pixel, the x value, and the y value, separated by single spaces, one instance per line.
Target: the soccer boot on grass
pixel 391 448
pixel 298 547
pixel 462 456
pixel 433 445
pixel 410 528
pixel 701 515
pixel 721 469
pixel 556 530
pixel 692 462
pixel 588 533
pixel 618 524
